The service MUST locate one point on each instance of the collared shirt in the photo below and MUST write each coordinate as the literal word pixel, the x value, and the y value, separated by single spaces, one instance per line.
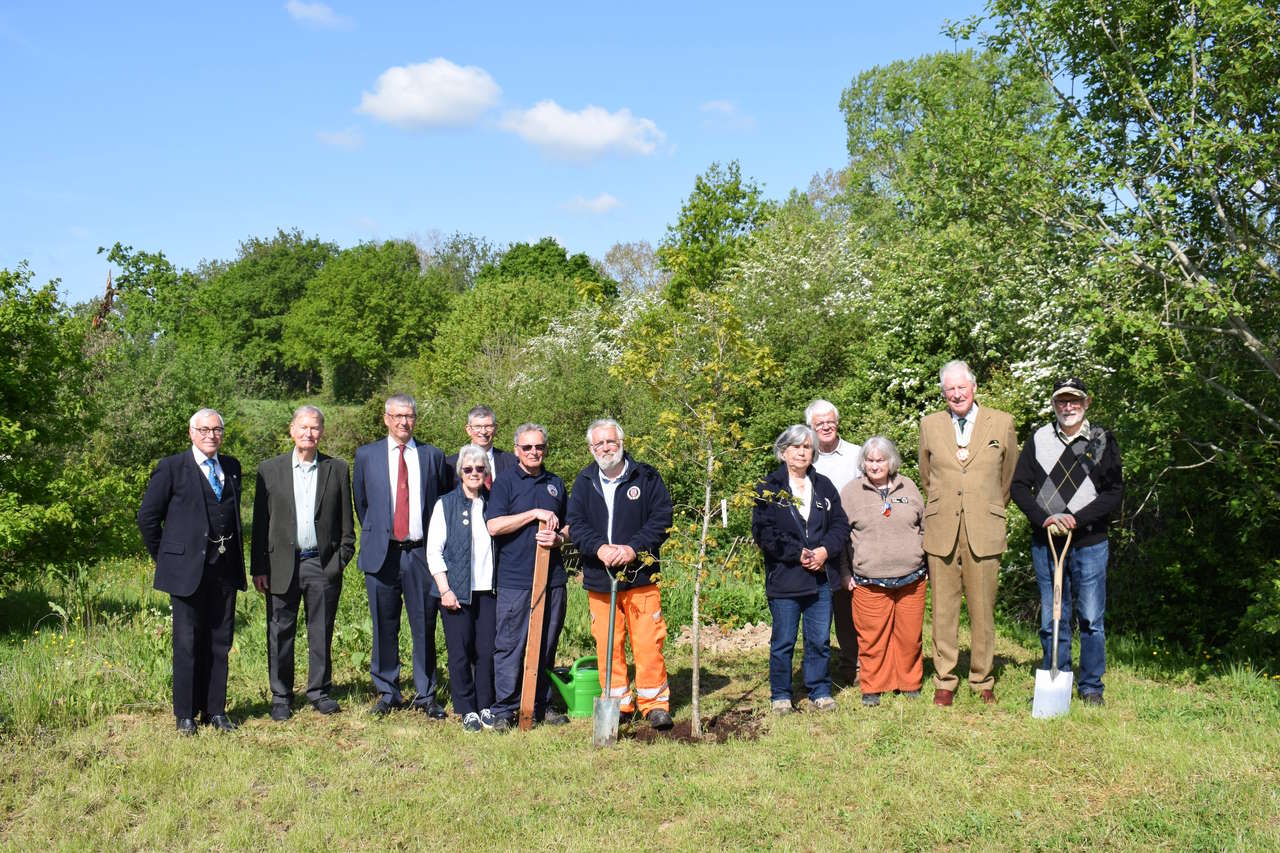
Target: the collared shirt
pixel 610 488
pixel 514 491
pixel 305 475
pixel 1083 432
pixel 415 482
pixel 217 466
pixel 963 435
pixel 842 465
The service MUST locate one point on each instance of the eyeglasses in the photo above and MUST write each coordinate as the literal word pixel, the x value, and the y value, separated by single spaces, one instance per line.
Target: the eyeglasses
pixel 207 431
pixel 473 469
pixel 530 448
pixel 824 424
pixel 605 442
pixel 408 417
pixel 482 427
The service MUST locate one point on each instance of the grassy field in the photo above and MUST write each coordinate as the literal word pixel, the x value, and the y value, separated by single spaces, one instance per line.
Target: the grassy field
pixel 1185 756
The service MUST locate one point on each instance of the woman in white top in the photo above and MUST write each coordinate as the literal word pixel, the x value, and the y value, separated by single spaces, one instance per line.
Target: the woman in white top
pixel 460 558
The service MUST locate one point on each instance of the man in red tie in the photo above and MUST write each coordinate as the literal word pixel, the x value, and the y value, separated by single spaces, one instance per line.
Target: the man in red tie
pixel 396 484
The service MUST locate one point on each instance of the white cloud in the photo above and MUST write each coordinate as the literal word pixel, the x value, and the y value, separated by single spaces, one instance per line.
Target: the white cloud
pixel 725 115
pixel 349 138
pixel 602 203
pixel 431 94
pixel 585 134
pixel 317 15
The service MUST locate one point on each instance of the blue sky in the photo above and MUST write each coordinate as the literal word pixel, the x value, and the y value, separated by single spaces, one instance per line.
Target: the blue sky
pixel 186 128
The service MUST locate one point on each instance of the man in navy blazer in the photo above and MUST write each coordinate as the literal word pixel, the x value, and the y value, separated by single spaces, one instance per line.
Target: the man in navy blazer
pixel 396 484
pixel 482 423
pixel 190 522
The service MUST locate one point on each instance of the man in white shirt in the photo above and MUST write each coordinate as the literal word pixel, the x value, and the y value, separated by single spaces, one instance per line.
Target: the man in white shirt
pixel 303 537
pixel 396 484
pixel 841 463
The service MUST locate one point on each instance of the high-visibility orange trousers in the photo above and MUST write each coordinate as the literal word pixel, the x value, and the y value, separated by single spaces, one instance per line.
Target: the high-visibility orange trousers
pixel 639 613
pixel 890 625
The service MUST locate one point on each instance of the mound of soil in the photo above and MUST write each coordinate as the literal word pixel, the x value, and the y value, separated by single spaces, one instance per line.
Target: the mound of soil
pixel 714 638
pixel 733 724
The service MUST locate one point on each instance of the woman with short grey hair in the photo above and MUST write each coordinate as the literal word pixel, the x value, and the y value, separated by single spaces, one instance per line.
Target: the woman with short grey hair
pixel 889 573
pixel 801 529
pixel 460 558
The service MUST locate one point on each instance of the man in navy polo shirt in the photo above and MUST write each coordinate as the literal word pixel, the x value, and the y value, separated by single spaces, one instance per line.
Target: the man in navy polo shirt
pixel 521 497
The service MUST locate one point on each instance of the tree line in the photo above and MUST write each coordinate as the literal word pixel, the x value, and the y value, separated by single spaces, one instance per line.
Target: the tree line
pixel 1069 191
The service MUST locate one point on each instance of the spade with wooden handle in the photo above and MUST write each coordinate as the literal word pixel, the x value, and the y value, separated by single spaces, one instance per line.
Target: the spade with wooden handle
pixel 533 641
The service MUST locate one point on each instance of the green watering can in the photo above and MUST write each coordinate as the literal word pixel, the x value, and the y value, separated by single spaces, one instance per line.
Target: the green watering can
pixel 579 685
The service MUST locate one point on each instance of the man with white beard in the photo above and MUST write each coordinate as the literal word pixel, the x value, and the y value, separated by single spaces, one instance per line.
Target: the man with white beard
pixel 619 512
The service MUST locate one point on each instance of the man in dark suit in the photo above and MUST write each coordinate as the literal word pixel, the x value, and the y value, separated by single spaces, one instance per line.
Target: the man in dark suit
pixel 396 484
pixel 303 537
pixel 481 426
pixel 190 522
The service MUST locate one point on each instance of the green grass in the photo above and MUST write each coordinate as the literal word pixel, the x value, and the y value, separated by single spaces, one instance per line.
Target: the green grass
pixel 1182 757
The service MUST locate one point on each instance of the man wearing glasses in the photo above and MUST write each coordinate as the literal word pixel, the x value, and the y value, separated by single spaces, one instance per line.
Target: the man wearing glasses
pixel 190 522
pixel 620 512
pixel 481 426
pixel 1068 480
pixel 521 498
pixel 396 484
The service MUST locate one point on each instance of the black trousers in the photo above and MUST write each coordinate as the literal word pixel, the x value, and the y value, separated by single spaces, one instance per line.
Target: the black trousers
pixel 469 635
pixel 319 597
pixel 203 623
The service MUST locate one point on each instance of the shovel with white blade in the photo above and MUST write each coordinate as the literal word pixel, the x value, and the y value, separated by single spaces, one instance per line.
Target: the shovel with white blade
pixel 1053 687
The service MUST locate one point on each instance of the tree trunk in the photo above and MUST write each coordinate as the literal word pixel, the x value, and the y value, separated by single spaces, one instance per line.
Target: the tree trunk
pixel 695 728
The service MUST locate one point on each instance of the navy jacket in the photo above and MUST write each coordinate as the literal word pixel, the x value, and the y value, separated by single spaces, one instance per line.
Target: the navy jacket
pixel 174 522
pixel 641 518
pixel 782 533
pixel 371 488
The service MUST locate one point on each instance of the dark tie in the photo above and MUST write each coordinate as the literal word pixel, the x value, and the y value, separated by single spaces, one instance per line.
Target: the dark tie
pixel 400 525
pixel 961 422
pixel 214 482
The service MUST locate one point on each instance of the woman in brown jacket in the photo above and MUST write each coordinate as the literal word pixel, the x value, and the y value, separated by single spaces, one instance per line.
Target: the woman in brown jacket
pixel 889 573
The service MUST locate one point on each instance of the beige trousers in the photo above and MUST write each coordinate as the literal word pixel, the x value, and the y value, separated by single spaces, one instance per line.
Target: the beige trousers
pixel 961 571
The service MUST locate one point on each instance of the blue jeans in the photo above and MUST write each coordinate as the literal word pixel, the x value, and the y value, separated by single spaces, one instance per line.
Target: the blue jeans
pixel 1084 576
pixel 787 612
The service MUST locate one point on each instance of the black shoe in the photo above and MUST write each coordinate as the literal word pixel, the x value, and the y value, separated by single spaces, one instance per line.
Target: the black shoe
pixel 660 719
pixel 1092 699
pixel 502 724
pixel 186 726
pixel 433 710
pixel 555 718
pixel 280 711
pixel 385 705
pixel 325 705
pixel 222 723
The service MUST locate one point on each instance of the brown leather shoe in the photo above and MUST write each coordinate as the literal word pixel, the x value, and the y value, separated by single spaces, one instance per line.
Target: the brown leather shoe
pixel 943 698
pixel 988 696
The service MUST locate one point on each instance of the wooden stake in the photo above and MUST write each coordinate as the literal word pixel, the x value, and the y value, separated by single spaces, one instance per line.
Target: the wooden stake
pixel 533 642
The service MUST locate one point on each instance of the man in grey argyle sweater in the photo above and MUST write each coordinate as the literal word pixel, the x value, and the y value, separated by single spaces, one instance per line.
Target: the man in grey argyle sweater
pixel 1068 479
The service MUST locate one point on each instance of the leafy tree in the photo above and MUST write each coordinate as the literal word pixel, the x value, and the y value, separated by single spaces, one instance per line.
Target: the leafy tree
pixel 458 258
pixel 722 209
pixel 698 365
pixel 367 307
pixel 241 308
pixel 546 260
pixel 1169 107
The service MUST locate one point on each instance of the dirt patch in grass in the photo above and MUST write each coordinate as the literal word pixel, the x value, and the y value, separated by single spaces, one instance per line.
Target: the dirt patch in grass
pixel 714 638
pixel 733 724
